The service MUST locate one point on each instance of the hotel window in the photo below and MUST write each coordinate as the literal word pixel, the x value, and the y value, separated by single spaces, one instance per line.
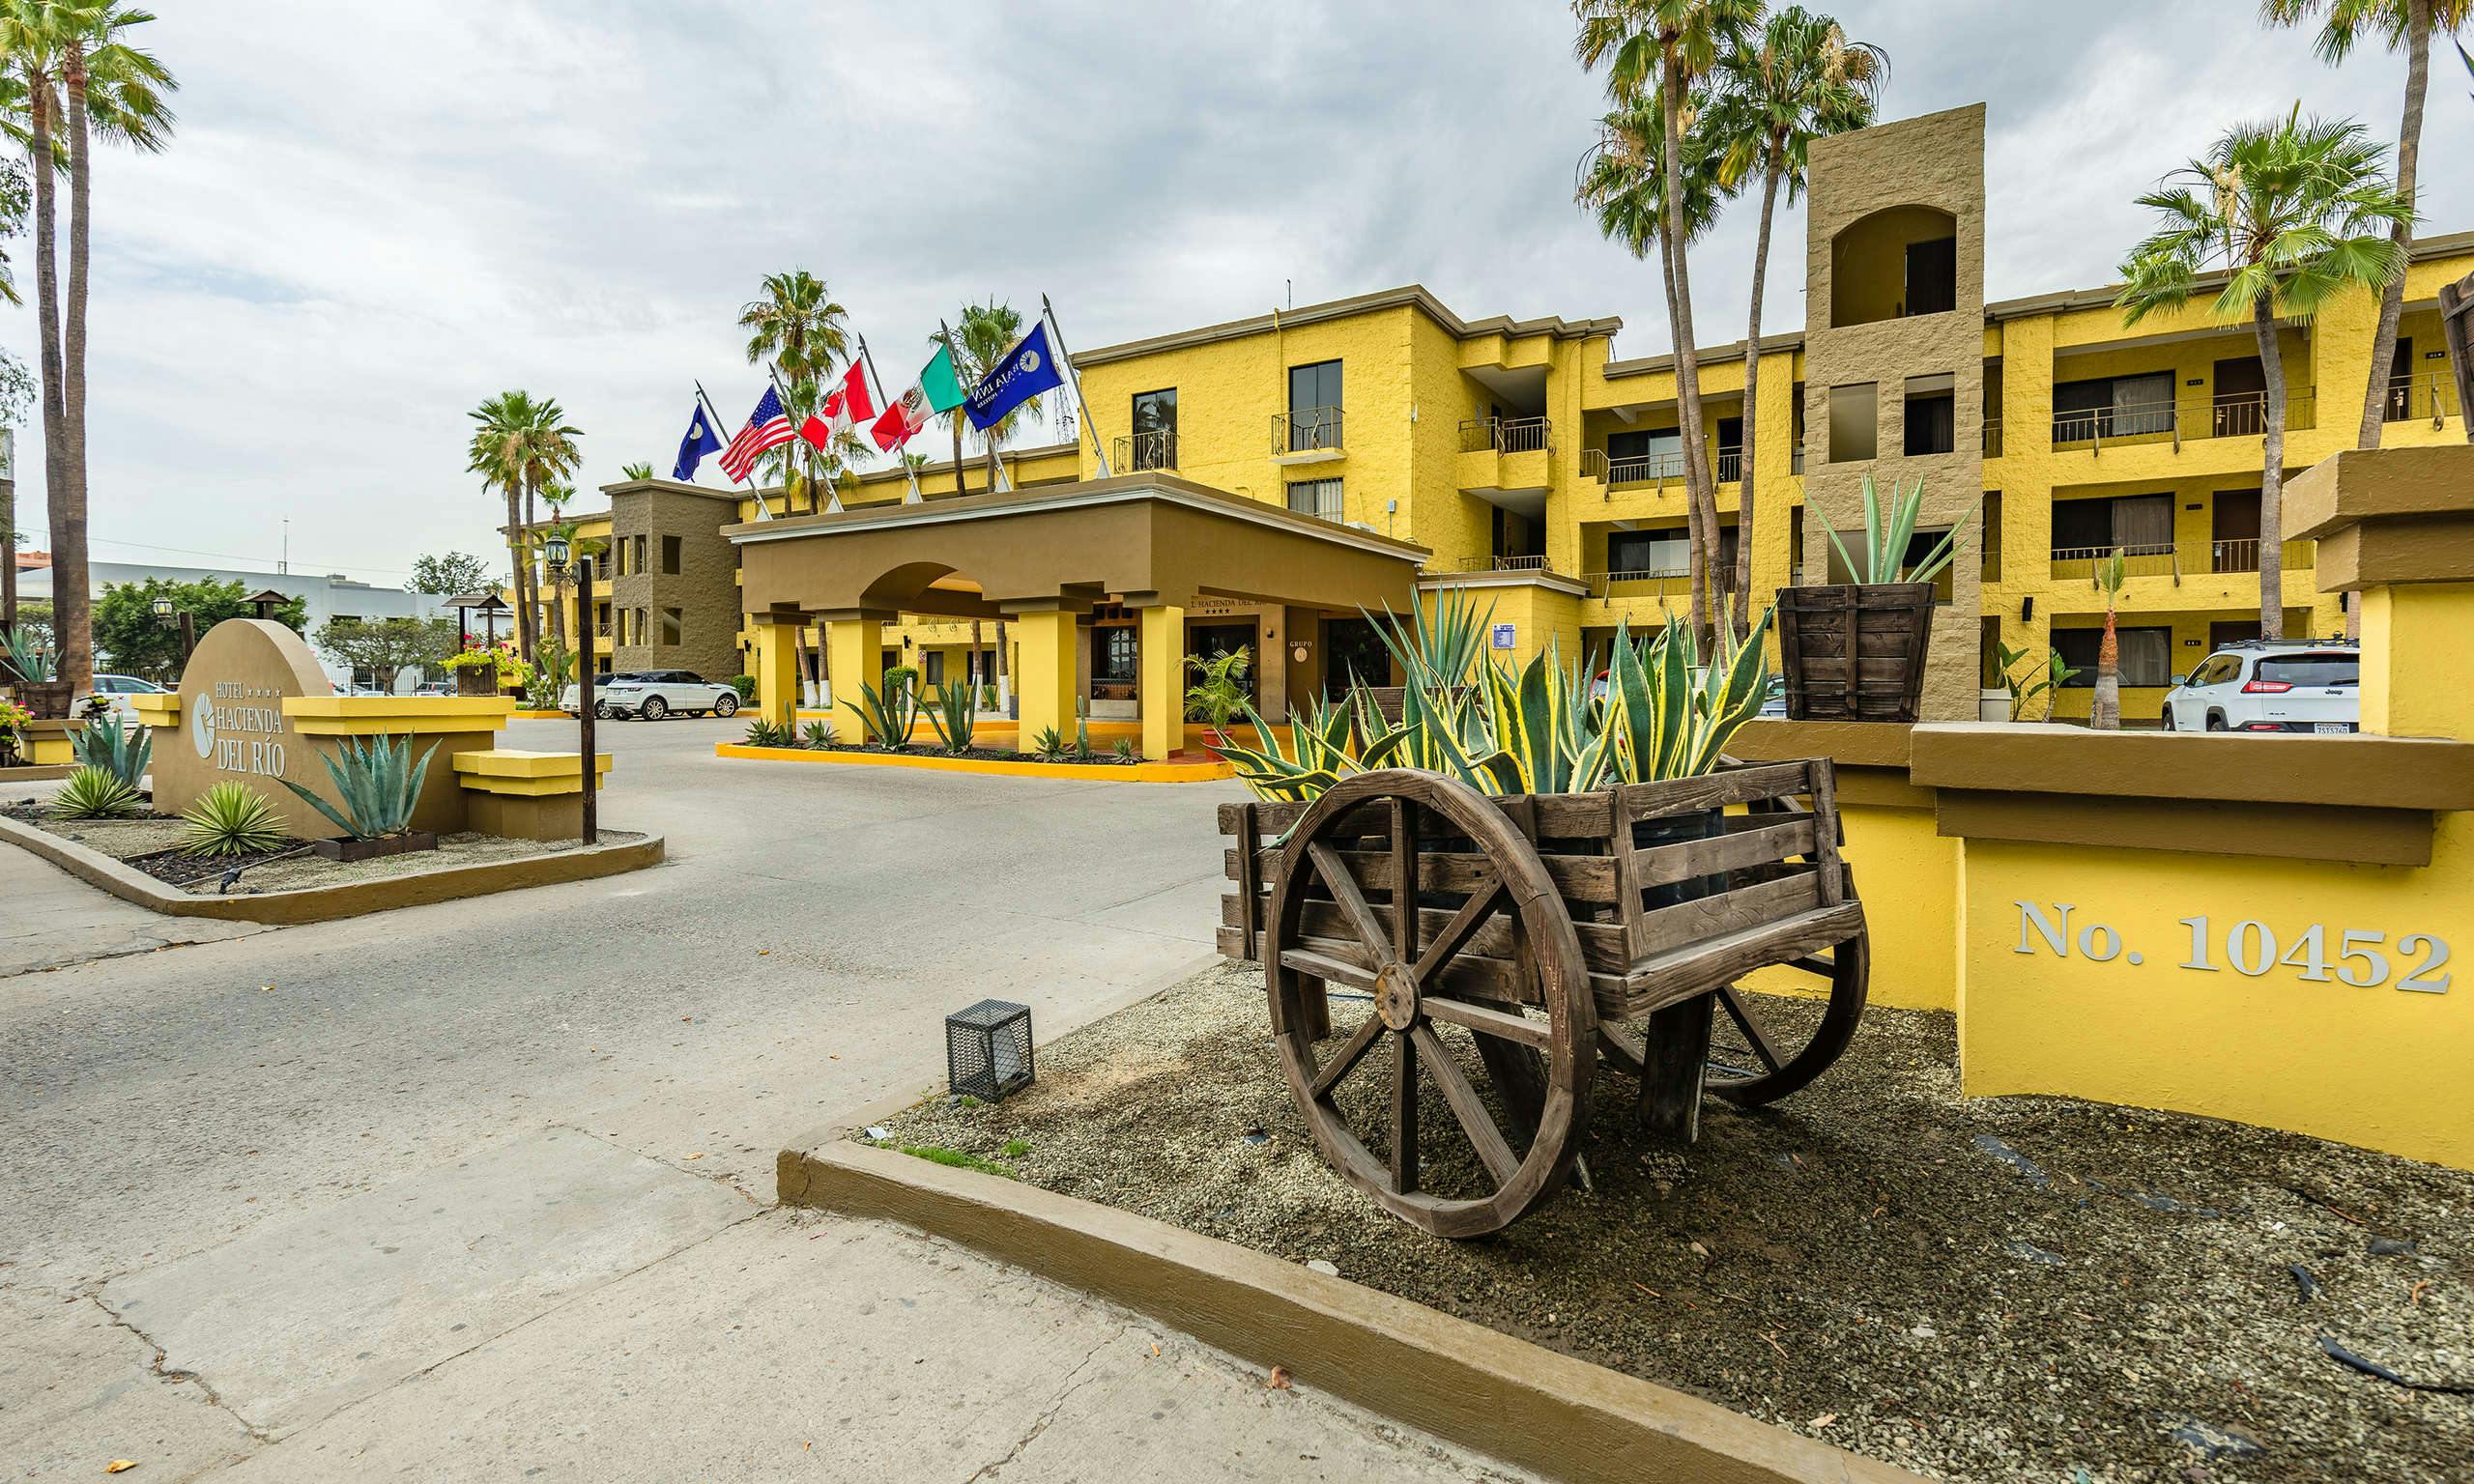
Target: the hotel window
pixel 672 620
pixel 639 564
pixel 1854 424
pixel 1114 655
pixel 2113 406
pixel 2146 655
pixel 1314 406
pixel 1633 457
pixel 935 668
pixel 1317 498
pixel 670 555
pixel 1931 414
pixel 2141 525
pixel 1154 429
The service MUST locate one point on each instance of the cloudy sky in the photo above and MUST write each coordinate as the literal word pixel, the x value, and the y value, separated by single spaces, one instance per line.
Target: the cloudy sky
pixel 373 217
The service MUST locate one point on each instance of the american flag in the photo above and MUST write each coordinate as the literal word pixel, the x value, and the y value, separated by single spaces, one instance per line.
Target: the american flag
pixel 767 427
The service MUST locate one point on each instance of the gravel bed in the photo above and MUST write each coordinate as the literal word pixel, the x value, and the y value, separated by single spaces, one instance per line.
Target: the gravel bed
pixel 2004 1289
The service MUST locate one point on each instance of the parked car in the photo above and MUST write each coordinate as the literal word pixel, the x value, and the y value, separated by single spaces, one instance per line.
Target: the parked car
pixel 653 694
pixel 435 688
pixel 119 688
pixel 2271 685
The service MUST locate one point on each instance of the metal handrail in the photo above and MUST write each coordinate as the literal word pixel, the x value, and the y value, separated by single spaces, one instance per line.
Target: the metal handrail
pixel 2243 554
pixel 1993 437
pixel 1665 582
pixel 1155 450
pixel 2156 558
pixel 1499 563
pixel 1648 469
pixel 2432 395
pixel 1507 435
pixel 1306 430
pixel 1730 465
pixel 2226 414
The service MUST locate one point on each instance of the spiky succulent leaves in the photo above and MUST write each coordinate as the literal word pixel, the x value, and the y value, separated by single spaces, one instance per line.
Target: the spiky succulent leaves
pixel 1734 694
pixel 1829 528
pixel 94 792
pixel 954 717
pixel 378 783
pixel 231 819
pixel 125 755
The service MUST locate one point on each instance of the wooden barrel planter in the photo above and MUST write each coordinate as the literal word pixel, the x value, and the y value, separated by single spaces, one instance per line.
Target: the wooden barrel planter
pixel 1557 931
pixel 47 700
pixel 1854 651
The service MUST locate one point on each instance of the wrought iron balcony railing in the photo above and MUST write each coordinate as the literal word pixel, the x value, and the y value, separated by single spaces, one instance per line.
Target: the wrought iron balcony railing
pixel 1306 430
pixel 1507 435
pixel 2411 398
pixel 1139 452
pixel 2243 555
pixel 2228 415
pixel 1650 582
pixel 2149 560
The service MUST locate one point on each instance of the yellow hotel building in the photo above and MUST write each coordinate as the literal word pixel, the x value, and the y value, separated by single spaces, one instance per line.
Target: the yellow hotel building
pixel 1381 442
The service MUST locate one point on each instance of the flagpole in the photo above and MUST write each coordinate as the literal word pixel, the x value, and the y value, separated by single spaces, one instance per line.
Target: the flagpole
pixel 833 502
pixel 1098 454
pixel 869 360
pixel 763 511
pixel 998 483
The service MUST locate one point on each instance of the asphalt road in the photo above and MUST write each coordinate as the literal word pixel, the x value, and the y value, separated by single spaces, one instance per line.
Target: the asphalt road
pixel 487 1181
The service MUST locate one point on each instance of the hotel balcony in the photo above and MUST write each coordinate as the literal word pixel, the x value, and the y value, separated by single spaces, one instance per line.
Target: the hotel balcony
pixel 2230 414
pixel 1506 455
pixel 2184 577
pixel 2418 398
pixel 1306 435
pixel 1139 451
pixel 1660 469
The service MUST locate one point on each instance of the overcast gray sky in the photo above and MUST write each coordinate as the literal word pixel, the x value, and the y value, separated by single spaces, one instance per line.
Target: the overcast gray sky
pixel 373 217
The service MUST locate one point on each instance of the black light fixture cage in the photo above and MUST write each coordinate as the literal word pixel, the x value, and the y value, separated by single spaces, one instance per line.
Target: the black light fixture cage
pixel 987 1050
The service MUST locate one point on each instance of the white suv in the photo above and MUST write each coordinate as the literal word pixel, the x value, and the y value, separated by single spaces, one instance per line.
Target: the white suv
pixel 2271 685
pixel 653 694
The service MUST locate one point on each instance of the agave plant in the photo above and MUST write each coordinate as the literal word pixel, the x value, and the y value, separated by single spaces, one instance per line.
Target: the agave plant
pixel 819 735
pixel 231 819
pixel 762 732
pixel 125 755
pixel 891 715
pixel 1047 746
pixel 26 660
pixel 95 793
pixel 379 784
pixel 954 716
pixel 1886 532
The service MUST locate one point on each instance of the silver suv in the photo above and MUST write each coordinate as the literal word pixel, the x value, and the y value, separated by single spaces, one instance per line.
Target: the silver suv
pixel 653 694
pixel 2271 685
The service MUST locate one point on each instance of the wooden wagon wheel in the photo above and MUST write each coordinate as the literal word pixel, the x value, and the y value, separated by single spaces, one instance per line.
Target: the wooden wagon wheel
pixel 1388 953
pixel 1753 1060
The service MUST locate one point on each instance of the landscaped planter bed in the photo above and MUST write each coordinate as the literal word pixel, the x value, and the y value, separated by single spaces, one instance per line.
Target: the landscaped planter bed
pixel 1102 767
pixel 2006 1289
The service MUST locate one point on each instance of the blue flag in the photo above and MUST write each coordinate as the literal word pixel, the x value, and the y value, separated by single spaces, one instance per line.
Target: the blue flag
pixel 700 440
pixel 1026 371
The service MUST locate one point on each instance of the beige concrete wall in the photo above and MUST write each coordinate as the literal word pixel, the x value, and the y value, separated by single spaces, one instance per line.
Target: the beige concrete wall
pixel 705 589
pixel 1935 161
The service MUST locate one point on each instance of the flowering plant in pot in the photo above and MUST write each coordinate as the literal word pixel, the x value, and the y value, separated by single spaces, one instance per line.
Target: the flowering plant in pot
pixel 1854 651
pixel 14 747
pixel 487 672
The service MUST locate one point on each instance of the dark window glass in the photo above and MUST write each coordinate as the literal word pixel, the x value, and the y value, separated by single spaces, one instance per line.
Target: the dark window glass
pixel 1114 654
pixel 1320 497
pixel 1931 425
pixel 2334 669
pixel 669 545
pixel 2146 655
pixel 1314 406
pixel 1154 429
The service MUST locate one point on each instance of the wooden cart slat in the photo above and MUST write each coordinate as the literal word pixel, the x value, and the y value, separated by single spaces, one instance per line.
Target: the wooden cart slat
pixel 1588 878
pixel 1602 944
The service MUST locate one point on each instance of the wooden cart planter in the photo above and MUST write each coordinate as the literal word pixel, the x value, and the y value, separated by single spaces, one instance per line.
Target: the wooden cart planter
pixel 1541 925
pixel 1854 651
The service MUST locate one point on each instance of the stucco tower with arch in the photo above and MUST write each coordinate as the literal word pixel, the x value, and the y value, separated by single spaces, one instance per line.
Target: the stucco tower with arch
pixel 1894 307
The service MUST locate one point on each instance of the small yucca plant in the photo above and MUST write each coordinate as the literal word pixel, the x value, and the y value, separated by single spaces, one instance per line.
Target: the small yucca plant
pixel 762 732
pixel 379 784
pixel 95 793
pixel 819 735
pixel 125 755
pixel 1048 746
pixel 232 818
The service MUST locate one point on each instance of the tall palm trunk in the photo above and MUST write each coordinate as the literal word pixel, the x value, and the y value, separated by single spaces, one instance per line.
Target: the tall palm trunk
pixel 2409 148
pixel 1698 486
pixel 515 553
pixel 529 597
pixel 2263 324
pixel 9 553
pixel 2105 711
pixel 1696 576
pixel 72 620
pixel 1752 397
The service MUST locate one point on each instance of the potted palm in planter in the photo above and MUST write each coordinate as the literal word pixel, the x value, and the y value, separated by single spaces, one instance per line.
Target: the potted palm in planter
pixel 1854 651
pixel 32 673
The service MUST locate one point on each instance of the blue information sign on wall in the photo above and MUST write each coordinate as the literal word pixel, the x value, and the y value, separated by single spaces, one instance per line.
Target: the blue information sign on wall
pixel 1503 636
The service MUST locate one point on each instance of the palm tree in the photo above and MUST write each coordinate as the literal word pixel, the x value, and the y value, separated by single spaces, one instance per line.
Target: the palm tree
pixel 2405 25
pixel 1622 183
pixel 521 446
pixel 1798 80
pixel 635 471
pixel 1666 49
pixel 2105 711
pixel 798 326
pixel 2292 214
pixel 74 80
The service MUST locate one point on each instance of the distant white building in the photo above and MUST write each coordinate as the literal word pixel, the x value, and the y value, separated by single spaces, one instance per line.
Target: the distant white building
pixel 323 596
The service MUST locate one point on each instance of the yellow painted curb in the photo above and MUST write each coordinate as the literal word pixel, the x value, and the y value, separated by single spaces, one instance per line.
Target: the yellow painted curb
pixel 1122 773
pixel 540 716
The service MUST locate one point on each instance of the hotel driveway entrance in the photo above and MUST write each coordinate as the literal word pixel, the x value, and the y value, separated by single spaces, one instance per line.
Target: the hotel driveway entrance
pixel 1149 547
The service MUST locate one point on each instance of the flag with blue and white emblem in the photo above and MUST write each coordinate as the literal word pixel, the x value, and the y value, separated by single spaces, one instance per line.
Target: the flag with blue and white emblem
pixel 700 440
pixel 1023 373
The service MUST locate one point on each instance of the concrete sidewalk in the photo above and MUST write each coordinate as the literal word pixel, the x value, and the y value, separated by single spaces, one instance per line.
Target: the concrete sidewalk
pixel 49 919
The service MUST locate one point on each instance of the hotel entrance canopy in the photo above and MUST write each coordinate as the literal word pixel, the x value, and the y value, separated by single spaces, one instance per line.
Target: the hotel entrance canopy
pixel 1139 540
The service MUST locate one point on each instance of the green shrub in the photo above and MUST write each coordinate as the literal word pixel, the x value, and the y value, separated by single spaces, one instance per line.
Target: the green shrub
pixel 232 818
pixel 1048 746
pixel 95 792
pixel 819 735
pixel 1124 750
pixel 900 678
pixel 101 743
pixel 745 685
pixel 379 784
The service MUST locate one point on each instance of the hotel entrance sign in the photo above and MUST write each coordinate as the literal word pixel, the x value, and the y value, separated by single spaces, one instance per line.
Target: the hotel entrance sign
pixel 232 722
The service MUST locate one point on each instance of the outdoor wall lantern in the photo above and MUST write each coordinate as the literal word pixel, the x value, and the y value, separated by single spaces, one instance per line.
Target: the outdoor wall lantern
pixel 163 612
pixel 987 1050
pixel 554 552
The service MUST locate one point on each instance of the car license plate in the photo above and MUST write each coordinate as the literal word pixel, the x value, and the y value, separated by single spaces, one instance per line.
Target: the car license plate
pixel 2330 727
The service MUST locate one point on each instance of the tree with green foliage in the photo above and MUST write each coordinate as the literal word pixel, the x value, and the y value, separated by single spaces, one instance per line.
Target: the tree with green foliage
pixel 2294 213
pixel 521 446
pixel 635 471
pixel 2406 26
pixel 386 647
pixel 798 326
pixel 138 643
pixel 987 331
pixel 1796 79
pixel 451 574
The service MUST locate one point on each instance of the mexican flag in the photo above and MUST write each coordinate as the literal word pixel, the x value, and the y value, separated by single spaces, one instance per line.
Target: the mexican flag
pixel 937 390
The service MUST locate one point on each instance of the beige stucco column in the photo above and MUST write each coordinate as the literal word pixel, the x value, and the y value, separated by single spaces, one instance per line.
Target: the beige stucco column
pixel 1161 690
pixel 1045 637
pixel 853 644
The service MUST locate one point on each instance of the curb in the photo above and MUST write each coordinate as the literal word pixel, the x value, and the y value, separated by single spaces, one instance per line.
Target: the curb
pixel 1520 1403
pixel 1120 773
pixel 325 903
pixel 36 773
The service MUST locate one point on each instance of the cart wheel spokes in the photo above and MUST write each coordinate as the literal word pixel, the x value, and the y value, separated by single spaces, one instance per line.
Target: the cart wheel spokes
pixel 1417 980
pixel 1760 1052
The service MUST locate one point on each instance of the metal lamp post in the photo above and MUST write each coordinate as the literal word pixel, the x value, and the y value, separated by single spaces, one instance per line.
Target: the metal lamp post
pixel 554 555
pixel 185 622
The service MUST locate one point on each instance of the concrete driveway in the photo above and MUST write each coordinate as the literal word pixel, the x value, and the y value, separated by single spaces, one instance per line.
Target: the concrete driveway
pixel 481 1190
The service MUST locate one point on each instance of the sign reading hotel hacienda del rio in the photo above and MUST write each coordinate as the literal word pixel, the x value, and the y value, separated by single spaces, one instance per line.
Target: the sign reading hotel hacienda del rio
pixel 241 728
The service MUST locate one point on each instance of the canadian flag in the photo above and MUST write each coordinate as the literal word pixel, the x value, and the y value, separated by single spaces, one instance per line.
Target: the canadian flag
pixel 903 420
pixel 845 408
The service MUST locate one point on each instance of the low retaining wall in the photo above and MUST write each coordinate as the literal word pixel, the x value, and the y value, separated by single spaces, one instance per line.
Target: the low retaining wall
pixel 1089 773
